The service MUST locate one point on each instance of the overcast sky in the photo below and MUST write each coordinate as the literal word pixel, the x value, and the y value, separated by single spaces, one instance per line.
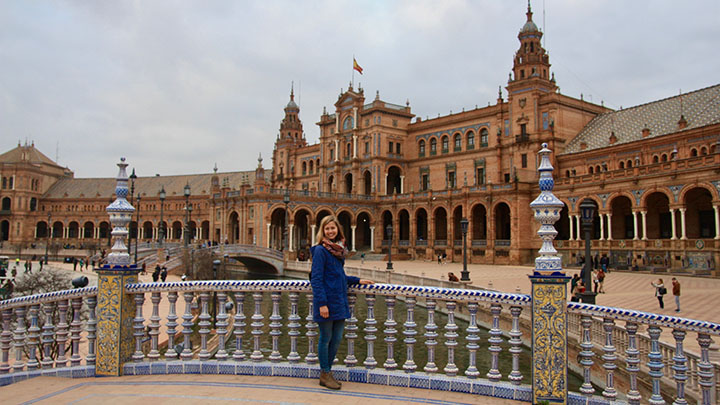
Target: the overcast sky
pixel 176 86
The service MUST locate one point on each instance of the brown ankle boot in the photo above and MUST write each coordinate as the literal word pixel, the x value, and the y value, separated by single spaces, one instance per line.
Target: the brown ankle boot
pixel 326 380
pixel 332 377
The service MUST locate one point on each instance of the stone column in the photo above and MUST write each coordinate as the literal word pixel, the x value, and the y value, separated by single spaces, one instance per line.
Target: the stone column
pixel 572 226
pixel 549 301
pixel 609 228
pixel 577 227
pixel 402 184
pixel 683 234
pixel 268 235
pixel 312 234
pixel 602 227
pixel 352 237
pixel 372 238
pixel 644 227
pixel 672 224
pixel 337 150
pixel 354 146
pixel 717 221
pixel 635 227
pixel 290 237
pixel 116 307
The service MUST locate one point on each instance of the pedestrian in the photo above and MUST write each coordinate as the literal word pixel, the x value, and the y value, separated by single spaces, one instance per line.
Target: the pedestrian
pixel 143 268
pixel 596 281
pixel 330 289
pixel 156 273
pixel 605 263
pixel 573 282
pixel 163 274
pixel 452 277
pixel 439 259
pixel 362 258
pixel 75 263
pixel 82 263
pixel 676 293
pixel 601 281
pixel 660 290
pixel 577 291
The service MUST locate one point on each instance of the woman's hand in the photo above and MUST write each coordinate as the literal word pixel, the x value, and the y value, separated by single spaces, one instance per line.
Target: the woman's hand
pixel 366 282
pixel 324 311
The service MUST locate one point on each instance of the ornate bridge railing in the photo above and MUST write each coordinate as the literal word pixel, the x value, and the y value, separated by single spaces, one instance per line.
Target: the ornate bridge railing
pixel 55 334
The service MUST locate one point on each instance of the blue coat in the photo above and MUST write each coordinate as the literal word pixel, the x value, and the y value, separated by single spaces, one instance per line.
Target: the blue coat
pixel 329 285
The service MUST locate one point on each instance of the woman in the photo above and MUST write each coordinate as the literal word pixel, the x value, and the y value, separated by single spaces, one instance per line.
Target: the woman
pixel 330 302
pixel 577 291
pixel 659 291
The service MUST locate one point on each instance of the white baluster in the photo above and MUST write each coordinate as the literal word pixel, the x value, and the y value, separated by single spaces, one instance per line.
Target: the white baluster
pixel 450 336
pixel 410 334
pixel 239 325
pixel 515 346
pixel 222 324
pixel 679 367
pixel 430 336
pixel 705 368
pixel 75 330
pixel 19 338
pixel 33 337
pixel 5 340
pixel 609 357
pixel 586 355
pixel 632 358
pixel 139 328
pixel 294 328
pixel 204 325
pixel 390 332
pixel 171 324
pixel 311 327
pixel 48 335
pixel 257 324
pixel 472 338
pixel 187 325
pixel 655 365
pixel 91 330
pixel 61 333
pixel 154 333
pixel 495 340
pixel 275 326
pixel 370 331
pixel 351 332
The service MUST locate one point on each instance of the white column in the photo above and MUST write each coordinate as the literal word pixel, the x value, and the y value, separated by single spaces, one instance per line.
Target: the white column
pixel 717 221
pixel 141 233
pixel 268 235
pixel 337 123
pixel 337 150
pixel 682 224
pixel 672 223
pixel 312 234
pixel 572 227
pixel 577 227
pixel 352 236
pixel 635 227
pixel 602 227
pixel 65 232
pixel 609 231
pixel 644 227
pixel 355 124
pixel 372 238
pixel 354 146
pixel 290 237
pixel 402 184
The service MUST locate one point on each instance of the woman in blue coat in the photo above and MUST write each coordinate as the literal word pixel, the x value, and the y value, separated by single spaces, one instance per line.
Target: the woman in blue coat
pixel 329 286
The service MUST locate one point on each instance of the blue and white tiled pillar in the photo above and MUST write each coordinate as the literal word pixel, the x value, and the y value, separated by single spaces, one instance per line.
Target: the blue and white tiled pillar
pixel 115 307
pixel 549 297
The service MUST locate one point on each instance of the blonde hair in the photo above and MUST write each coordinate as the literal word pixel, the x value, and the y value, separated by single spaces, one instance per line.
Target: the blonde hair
pixel 321 232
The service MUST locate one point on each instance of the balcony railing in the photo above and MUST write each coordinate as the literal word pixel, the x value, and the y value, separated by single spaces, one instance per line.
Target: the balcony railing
pixel 56 334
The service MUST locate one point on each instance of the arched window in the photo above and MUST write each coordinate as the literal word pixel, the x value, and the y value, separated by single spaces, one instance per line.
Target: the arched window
pixel 471 140
pixel 445 144
pixel 703 151
pixel 656 159
pixel 567 173
pixel 484 137
pixel 4 182
pixel 693 152
pixel 348 150
pixel 590 170
pixel 348 123
pixel 433 146
pixel 664 157
pixel 597 169
pixel 33 204
pixel 311 167
pixel 304 168
pixel 629 164
pixel 421 148
pixel 622 165
pixel 458 142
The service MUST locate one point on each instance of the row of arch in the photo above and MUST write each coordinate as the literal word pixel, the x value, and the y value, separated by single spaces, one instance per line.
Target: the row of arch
pixel 457 140
pixel 393 183
pixel 149 230
pixel 6 204
pixel 656 158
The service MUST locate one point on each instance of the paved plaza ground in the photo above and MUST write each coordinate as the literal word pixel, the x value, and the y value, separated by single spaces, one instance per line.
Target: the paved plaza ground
pixel 700 299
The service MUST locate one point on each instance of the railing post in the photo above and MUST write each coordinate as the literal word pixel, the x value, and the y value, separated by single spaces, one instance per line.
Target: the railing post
pixel 351 332
pixel 390 332
pixel 171 324
pixel 294 328
pixel 115 307
pixel 34 337
pixel 632 358
pixel 370 330
pixel 91 331
pixel 410 334
pixel 549 297
pixel 275 326
pixel 655 364
pixel 430 335
pixel 239 325
pixel 47 336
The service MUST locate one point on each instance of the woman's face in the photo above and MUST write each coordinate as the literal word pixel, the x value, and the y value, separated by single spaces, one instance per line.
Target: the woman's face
pixel 330 230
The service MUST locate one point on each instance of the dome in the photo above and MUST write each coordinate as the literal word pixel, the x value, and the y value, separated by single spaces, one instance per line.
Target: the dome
pixel 291 104
pixel 529 27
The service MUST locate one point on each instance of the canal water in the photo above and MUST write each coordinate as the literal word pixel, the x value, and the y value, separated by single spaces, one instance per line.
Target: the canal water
pixel 380 352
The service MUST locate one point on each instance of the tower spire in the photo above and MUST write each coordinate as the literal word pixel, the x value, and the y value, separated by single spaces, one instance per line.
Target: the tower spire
pixel 292 91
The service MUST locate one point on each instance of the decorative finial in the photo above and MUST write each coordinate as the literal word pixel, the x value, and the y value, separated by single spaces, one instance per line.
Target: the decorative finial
pixel 547 209
pixel 500 92
pixel 215 168
pixel 377 94
pixel 407 102
pixel 260 159
pixel 292 91
pixel 120 212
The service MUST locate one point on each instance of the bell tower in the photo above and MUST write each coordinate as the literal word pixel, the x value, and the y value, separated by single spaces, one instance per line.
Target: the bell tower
pixel 531 65
pixel 289 139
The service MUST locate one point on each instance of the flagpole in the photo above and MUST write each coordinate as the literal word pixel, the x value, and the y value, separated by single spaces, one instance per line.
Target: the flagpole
pixel 352 80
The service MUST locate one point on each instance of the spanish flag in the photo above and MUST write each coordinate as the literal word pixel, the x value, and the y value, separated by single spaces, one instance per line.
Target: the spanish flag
pixel 356 66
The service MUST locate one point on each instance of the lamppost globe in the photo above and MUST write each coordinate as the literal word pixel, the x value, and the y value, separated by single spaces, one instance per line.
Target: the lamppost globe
pixel 186 190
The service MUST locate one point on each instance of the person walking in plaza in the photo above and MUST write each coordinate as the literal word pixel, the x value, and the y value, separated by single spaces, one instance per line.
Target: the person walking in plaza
pixel 156 273
pixel 660 290
pixel 163 274
pixel 601 281
pixel 676 293
pixel 452 277
pixel 329 288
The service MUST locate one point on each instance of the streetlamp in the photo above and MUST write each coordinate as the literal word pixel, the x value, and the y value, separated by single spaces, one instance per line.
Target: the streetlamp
pixel 286 200
pixel 49 235
pixel 161 232
pixel 464 274
pixel 132 178
pixel 186 192
pixel 192 249
pixel 587 213
pixel 137 236
pixel 389 231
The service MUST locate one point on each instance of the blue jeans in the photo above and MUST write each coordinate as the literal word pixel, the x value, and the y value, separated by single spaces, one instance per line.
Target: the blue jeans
pixel 330 336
